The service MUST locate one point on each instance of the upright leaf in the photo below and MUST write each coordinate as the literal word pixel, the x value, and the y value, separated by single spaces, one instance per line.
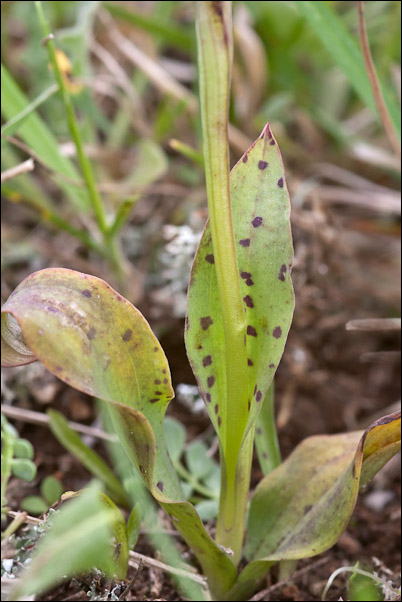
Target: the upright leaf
pixel 89 336
pixel 261 209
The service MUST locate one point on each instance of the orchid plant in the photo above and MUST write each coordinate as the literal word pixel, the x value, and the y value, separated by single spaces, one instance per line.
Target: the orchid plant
pixel 240 307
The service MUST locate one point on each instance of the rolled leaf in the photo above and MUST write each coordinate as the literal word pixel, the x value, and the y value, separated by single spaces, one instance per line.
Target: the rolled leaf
pixel 301 508
pixel 92 338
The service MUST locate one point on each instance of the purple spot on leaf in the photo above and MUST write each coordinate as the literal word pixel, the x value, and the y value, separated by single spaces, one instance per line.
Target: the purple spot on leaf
pixel 157 382
pixel 272 143
pixel 258 397
pixel 127 336
pixel 206 322
pixel 262 165
pixel 86 293
pixel 245 242
pixel 211 381
pixel 219 421
pixel 207 361
pixel 245 275
pixel 259 430
pixel 250 362
pixel 210 258
pixel 280 182
pixel 272 365
pixel 277 332
pixel 216 408
pixel 208 397
pixel 158 393
pixel 249 282
pixel 257 221
pixel 282 272
pixel 251 331
pixel 245 159
pixel 160 485
pixel 91 333
pixel 248 301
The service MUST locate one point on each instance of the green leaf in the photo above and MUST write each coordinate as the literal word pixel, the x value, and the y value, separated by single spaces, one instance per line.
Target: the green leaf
pixel 51 489
pixel 89 336
pixel 120 534
pixel 133 526
pixel 23 469
pixel 266 438
pixel 87 456
pixel 261 208
pixel 35 505
pixel 23 449
pixel 170 33
pixel 346 54
pixel 175 434
pixel 37 136
pixel 199 464
pixel 300 509
pixel 207 509
pixel 77 541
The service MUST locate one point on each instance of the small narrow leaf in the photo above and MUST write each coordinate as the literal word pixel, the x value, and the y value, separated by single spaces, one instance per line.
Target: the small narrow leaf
pixel 87 456
pixel 266 437
pixel 77 541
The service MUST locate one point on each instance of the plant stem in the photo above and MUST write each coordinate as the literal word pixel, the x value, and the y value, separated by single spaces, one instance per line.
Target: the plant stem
pixel 85 164
pixel 215 48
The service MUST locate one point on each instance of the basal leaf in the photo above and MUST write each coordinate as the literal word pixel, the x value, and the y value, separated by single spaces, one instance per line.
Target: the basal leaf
pixel 87 456
pixel 77 541
pixel 300 509
pixel 89 336
pixel 261 209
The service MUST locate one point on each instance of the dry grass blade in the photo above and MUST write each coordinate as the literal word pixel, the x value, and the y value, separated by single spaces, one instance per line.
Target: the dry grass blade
pixel 383 202
pixel 17 170
pixel 374 324
pixel 375 84
pixel 151 562
pixel 381 357
pixel 43 420
pixel 163 80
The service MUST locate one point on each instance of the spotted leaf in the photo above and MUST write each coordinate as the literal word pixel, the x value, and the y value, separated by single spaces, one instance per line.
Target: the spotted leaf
pixel 93 339
pixel 261 222
pixel 301 508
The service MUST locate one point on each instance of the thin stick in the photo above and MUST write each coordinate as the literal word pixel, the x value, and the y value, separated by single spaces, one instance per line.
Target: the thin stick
pixel 261 595
pixel 353 569
pixel 32 520
pixel 43 420
pixel 375 84
pixel 147 561
pixel 17 170
pixel 374 324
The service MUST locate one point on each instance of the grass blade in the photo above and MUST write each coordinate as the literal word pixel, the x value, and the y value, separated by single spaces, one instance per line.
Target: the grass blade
pixel 346 54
